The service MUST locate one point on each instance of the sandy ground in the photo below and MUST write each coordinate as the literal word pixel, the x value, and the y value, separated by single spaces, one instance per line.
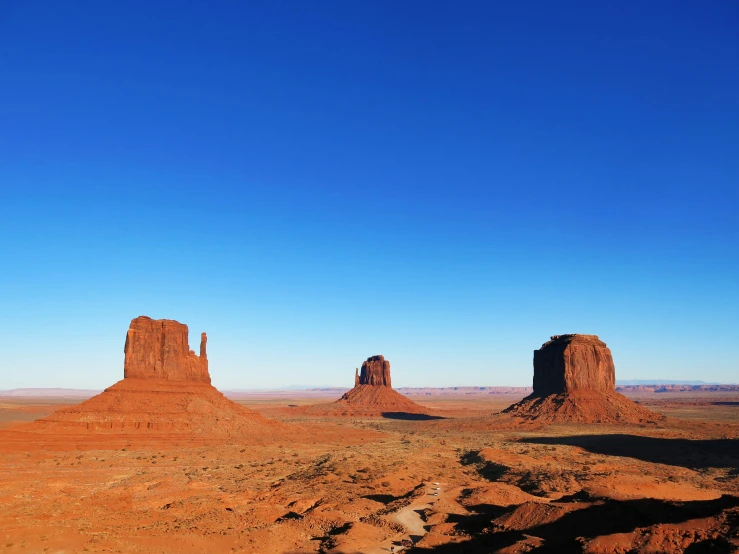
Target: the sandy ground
pixel 349 485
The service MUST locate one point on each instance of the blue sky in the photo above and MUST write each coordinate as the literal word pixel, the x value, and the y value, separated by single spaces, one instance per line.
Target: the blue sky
pixel 312 183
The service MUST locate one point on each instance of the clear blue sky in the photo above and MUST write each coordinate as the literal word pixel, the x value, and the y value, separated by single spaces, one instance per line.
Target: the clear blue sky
pixel 312 183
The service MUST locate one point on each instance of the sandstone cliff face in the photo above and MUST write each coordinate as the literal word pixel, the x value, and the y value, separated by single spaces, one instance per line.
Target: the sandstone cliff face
pixel 573 362
pixel 375 371
pixel 159 349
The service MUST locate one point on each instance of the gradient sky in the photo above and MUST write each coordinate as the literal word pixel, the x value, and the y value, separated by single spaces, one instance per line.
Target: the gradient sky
pixel 312 183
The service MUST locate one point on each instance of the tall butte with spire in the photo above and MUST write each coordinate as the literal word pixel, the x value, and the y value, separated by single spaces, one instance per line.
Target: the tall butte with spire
pixel 373 394
pixel 375 371
pixel 165 389
pixel 158 349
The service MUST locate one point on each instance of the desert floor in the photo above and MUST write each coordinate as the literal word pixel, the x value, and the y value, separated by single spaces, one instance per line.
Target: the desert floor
pixel 457 483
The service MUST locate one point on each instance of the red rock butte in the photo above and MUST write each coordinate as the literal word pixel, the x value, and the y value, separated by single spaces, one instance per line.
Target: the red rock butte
pixel 575 380
pixel 373 394
pixel 165 389
pixel 159 349
pixel 571 362
pixel 375 371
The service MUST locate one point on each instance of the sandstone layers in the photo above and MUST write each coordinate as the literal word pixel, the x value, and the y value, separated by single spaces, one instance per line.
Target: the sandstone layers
pixel 166 388
pixel 375 371
pixel 573 362
pixel 575 380
pixel 159 349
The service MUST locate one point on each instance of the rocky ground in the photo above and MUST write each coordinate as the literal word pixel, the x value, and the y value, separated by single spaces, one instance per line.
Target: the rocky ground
pixel 464 483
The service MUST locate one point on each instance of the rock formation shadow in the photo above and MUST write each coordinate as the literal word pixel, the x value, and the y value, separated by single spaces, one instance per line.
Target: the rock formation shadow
pixel 384 498
pixel 410 416
pixel 604 517
pixel 714 546
pixel 484 468
pixel 388 498
pixel 722 453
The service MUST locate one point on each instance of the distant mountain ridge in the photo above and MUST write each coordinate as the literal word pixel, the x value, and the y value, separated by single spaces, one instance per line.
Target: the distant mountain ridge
pixel 627 382
pixel 51 392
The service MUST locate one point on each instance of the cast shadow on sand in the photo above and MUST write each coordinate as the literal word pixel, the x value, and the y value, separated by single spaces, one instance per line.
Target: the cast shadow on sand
pixel 720 453
pixel 604 517
pixel 410 416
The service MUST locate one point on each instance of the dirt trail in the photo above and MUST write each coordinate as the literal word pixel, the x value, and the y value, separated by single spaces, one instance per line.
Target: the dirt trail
pixel 410 518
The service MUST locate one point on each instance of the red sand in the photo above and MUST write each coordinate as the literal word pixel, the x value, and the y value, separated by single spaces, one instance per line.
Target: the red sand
pixel 342 485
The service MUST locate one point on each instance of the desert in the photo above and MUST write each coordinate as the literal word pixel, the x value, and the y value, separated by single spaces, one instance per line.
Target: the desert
pixel 369 277
pixel 163 462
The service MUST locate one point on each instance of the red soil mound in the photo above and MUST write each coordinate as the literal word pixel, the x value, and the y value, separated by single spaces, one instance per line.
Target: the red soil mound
pixel 152 406
pixel 582 406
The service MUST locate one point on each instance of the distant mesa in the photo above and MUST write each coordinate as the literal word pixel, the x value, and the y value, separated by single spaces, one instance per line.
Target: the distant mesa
pixel 165 389
pixel 575 380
